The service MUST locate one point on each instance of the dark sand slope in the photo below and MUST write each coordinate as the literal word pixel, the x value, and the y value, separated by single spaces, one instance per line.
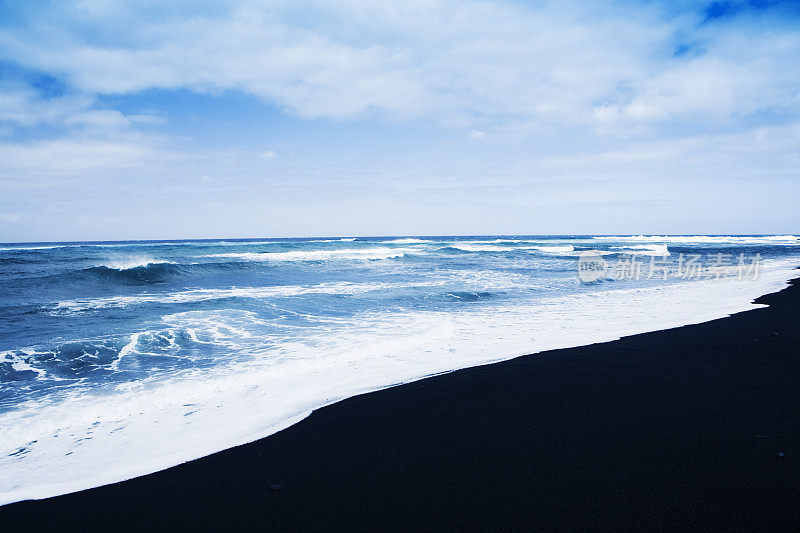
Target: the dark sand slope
pixel 678 428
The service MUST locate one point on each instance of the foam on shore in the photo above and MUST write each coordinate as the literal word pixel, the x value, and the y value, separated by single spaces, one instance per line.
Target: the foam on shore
pixel 80 439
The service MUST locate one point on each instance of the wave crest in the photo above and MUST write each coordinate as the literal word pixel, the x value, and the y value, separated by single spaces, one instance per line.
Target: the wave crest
pixel 145 273
pixel 316 255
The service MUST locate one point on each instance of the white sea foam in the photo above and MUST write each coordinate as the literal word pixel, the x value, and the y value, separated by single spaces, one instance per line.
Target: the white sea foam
pixel 126 263
pixel 17 359
pixel 316 255
pixel 538 242
pixel 79 441
pixel 469 280
pixel 677 239
pixel 406 241
pixel 708 239
pixel 553 249
pixel 201 295
pixel 481 247
pixel 660 250
pixel 23 248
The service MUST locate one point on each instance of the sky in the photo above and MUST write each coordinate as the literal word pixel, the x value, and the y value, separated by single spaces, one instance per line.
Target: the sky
pixel 205 119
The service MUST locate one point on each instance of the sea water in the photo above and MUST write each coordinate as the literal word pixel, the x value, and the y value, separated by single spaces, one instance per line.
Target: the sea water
pixel 118 359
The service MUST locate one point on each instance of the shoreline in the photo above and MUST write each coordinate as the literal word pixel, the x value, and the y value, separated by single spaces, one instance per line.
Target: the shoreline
pixel 680 427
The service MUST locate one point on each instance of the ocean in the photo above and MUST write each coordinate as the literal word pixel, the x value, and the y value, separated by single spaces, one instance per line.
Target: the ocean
pixel 118 359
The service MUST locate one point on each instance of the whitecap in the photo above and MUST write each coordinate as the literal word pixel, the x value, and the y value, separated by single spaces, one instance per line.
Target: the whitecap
pixel 316 255
pixel 707 239
pixel 644 249
pixel 406 241
pixel 127 263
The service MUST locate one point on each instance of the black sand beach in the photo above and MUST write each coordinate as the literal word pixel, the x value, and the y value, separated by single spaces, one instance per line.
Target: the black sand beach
pixel 691 428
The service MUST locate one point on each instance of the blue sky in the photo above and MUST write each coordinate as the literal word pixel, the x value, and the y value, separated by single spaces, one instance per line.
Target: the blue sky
pixel 130 120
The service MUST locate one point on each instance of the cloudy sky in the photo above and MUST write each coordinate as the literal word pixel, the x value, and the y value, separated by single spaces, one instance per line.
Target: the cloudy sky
pixel 131 120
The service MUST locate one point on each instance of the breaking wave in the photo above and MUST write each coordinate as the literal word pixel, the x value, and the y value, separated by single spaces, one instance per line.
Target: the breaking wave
pixel 145 273
pixel 644 249
pixel 316 255
pixel 554 249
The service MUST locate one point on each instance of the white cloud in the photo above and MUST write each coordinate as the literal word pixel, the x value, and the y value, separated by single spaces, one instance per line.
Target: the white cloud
pixel 575 102
pixel 36 163
pixel 21 106
pixel 455 62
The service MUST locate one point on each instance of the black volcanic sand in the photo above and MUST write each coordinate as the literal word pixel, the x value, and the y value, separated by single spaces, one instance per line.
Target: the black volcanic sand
pixel 696 427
